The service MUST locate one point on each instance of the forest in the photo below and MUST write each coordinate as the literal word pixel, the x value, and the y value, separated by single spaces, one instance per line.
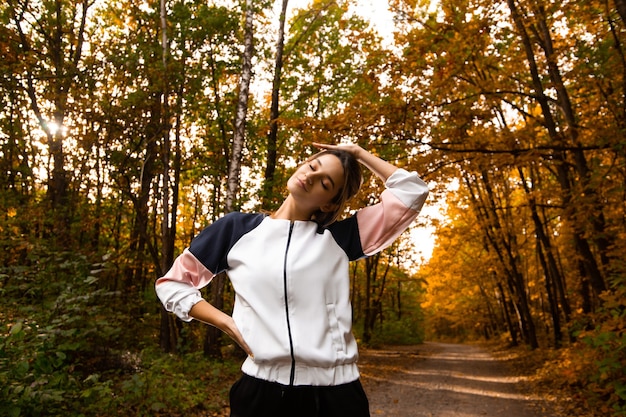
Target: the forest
pixel 128 126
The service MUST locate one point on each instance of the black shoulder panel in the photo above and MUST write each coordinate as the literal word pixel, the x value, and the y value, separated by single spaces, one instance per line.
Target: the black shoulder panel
pixel 346 234
pixel 211 245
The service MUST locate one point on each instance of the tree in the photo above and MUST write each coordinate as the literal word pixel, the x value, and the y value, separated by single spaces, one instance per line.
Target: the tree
pixel 543 38
pixel 527 127
pixel 234 168
pixel 54 31
pixel 270 166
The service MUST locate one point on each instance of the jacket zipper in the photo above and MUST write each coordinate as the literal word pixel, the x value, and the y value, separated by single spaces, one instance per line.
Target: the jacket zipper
pixel 293 358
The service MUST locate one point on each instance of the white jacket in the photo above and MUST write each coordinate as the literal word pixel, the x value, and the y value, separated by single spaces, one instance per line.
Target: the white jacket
pixel 291 282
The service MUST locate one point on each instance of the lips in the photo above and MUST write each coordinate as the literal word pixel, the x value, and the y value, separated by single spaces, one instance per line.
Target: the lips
pixel 302 184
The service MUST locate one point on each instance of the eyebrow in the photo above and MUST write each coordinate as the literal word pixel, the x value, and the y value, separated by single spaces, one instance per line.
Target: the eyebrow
pixel 327 176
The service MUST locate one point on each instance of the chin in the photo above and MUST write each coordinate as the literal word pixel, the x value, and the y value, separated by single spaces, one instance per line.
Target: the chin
pixel 293 186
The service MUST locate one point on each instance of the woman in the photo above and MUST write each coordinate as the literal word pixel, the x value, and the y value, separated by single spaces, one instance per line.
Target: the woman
pixel 289 271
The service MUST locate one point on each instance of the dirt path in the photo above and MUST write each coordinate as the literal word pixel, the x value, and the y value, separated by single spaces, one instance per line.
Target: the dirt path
pixel 443 380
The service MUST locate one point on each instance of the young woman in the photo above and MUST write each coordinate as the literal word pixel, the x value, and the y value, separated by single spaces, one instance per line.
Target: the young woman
pixel 289 271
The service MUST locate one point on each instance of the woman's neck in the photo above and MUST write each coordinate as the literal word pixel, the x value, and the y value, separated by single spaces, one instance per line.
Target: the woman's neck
pixel 289 211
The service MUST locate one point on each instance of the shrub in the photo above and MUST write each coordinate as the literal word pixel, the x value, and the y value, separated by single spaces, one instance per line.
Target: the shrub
pixel 56 332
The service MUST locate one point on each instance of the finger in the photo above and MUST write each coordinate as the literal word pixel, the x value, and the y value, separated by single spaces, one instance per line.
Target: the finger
pixel 242 343
pixel 322 145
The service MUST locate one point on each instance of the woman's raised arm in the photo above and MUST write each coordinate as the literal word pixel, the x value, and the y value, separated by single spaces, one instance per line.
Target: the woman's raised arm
pixel 378 166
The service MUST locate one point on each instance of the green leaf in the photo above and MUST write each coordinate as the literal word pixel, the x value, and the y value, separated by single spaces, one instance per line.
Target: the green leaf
pixel 16 328
pixel 13 411
pixel 157 406
pixel 90 280
pixel 21 369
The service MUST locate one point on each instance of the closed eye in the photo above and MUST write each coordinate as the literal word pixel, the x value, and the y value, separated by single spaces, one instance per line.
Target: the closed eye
pixel 314 168
pixel 329 183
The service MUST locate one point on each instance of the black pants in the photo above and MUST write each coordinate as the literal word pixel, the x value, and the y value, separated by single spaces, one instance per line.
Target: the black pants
pixel 252 397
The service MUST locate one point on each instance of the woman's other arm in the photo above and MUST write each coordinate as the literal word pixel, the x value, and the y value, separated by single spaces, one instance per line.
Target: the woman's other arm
pixel 207 313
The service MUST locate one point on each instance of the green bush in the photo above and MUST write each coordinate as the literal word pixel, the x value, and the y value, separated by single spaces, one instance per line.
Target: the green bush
pixel 175 385
pixel 54 333
pixel 606 352
pixel 407 331
pixel 70 347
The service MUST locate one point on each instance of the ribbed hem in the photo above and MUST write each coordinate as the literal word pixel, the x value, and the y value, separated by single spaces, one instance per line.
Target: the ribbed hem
pixel 304 375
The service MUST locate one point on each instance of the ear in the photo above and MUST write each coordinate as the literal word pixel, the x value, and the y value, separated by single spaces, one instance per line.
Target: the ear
pixel 329 207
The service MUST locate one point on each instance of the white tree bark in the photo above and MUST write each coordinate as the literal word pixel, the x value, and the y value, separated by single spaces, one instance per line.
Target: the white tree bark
pixel 234 166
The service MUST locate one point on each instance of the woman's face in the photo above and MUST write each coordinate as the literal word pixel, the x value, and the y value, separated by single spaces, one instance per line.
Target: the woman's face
pixel 316 182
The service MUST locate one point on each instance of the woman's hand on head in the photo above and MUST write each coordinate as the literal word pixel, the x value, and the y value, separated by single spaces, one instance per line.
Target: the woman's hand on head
pixel 355 150
pixel 381 168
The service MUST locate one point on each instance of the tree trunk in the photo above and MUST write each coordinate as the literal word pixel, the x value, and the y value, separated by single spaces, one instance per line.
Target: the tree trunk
pixel 234 168
pixel 564 175
pixel 62 34
pixel 593 208
pixel 168 329
pixel 213 338
pixel 502 242
pixel 370 276
pixel 272 140
pixel 548 263
pixel 620 5
pixel 138 242
pixel 504 310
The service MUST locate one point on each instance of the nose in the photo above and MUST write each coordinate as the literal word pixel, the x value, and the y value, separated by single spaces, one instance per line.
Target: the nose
pixel 307 178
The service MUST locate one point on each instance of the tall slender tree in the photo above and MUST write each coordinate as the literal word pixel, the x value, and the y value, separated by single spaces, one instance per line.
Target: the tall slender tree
pixel 212 344
pixel 272 134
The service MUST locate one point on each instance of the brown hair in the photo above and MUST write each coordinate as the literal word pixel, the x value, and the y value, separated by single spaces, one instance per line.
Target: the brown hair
pixel 352 180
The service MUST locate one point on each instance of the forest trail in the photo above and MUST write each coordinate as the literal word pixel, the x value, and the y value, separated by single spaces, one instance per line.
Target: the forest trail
pixel 443 380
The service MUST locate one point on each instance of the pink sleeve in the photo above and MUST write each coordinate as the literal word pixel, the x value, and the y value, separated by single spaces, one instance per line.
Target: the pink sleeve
pixel 179 288
pixel 381 224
